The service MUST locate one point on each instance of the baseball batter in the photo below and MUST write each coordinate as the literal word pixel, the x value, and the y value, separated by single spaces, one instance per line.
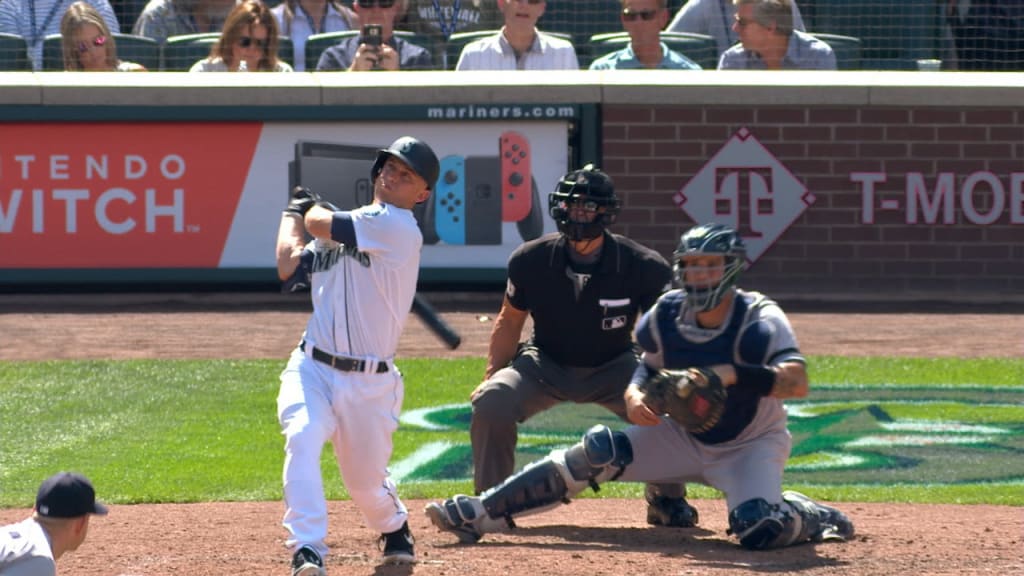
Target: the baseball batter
pixel 746 340
pixel 340 384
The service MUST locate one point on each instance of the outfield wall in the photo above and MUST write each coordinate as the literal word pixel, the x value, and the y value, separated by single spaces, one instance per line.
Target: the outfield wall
pixel 881 184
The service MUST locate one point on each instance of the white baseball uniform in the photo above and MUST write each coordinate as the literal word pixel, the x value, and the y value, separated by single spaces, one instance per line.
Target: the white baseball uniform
pixel 25 550
pixel 362 295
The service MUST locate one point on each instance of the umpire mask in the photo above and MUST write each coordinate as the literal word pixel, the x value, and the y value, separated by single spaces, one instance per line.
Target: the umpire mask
pixel 584 204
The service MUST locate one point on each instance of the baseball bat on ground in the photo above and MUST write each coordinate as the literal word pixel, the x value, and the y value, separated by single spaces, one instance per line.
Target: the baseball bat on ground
pixel 437 325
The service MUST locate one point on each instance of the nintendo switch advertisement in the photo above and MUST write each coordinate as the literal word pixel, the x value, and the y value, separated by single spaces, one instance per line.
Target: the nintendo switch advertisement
pixel 202 195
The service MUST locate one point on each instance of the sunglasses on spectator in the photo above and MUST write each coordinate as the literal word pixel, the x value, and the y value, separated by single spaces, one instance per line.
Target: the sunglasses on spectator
pixel 96 42
pixel 246 41
pixel 385 4
pixel 634 15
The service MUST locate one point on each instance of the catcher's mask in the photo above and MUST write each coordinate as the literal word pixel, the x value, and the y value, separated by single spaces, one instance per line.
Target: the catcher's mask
pixel 584 204
pixel 415 153
pixel 712 240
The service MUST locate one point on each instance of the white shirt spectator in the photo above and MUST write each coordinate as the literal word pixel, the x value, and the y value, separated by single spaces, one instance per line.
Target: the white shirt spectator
pixel 495 53
pixel 33 20
pixel 715 18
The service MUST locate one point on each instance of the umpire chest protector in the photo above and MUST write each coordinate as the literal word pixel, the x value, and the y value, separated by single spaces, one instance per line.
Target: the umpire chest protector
pixel 585 322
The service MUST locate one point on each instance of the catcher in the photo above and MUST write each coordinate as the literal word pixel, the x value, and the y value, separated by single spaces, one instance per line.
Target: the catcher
pixel 706 404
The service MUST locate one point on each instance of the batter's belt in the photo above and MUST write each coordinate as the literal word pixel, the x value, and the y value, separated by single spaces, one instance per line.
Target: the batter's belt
pixel 343 363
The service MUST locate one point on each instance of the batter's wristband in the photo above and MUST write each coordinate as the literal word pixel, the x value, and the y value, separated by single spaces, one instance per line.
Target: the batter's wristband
pixel 758 379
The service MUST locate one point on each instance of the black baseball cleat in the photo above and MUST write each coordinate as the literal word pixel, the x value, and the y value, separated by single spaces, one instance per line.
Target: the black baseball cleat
pixel 398 546
pixel 674 512
pixel 307 562
pixel 834 525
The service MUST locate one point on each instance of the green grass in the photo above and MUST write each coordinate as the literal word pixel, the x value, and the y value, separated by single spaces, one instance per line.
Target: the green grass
pixel 190 431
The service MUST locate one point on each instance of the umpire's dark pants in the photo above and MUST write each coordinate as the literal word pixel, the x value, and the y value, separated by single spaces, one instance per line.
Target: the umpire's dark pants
pixel 531 384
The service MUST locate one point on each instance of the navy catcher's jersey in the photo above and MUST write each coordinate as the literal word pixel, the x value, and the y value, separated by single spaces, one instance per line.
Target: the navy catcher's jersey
pixel 755 332
pixel 595 327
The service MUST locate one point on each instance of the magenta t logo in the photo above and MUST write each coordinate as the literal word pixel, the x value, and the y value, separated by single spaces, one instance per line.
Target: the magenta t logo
pixel 744 186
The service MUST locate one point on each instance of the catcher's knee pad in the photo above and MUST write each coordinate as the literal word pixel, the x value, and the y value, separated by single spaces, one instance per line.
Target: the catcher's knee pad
pixel 537 486
pixel 602 455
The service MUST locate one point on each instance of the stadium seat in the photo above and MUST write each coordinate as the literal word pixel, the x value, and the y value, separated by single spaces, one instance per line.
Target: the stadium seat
pixel 181 52
pixel 700 48
pixel 894 34
pixel 53 53
pixel 317 43
pixel 459 40
pixel 13 53
pixel 846 48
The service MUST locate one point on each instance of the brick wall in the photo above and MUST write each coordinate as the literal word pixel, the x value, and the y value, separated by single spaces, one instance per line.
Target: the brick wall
pixel 919 235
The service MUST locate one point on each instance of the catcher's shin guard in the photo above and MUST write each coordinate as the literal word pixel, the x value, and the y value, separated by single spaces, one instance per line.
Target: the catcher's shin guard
pixel 463 516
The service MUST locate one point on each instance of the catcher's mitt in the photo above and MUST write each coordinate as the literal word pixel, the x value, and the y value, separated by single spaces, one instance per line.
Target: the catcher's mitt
pixel 695 397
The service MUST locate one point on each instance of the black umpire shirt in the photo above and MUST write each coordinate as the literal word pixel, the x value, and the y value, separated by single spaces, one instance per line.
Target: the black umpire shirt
pixel 598 325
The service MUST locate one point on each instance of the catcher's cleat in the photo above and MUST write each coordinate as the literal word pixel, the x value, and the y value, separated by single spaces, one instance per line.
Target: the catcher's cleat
pixel 447 517
pixel 674 512
pixel 398 546
pixel 307 562
pixel 834 524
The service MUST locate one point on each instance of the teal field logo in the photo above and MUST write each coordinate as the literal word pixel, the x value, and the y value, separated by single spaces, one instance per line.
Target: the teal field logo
pixel 845 435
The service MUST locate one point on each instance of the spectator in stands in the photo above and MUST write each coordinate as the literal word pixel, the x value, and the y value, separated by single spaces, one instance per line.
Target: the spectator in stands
pixel 161 19
pixel 519 45
pixel 34 20
pixel 768 41
pixel 644 20
pixel 439 19
pixel 715 18
pixel 300 19
pixel 394 53
pixel 248 42
pixel 989 34
pixel 88 44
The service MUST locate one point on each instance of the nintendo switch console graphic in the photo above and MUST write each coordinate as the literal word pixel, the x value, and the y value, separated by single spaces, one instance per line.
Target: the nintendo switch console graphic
pixel 467 203
pixel 516 195
pixel 340 173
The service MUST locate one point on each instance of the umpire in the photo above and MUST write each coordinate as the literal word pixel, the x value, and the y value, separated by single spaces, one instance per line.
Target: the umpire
pixel 584 287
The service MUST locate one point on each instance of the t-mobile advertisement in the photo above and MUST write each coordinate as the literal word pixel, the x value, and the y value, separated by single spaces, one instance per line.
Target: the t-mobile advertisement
pixel 203 195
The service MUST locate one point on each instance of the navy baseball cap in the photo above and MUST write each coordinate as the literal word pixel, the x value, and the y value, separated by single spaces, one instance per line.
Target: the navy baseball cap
pixel 67 495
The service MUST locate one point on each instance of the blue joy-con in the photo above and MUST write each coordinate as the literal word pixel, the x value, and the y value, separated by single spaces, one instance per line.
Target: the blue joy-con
pixel 450 200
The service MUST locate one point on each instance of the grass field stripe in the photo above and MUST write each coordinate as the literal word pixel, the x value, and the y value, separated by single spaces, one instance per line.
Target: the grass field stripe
pixel 421 456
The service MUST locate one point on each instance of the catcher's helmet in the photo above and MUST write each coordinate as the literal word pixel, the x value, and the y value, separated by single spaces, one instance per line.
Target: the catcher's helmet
pixel 414 152
pixel 715 240
pixel 589 189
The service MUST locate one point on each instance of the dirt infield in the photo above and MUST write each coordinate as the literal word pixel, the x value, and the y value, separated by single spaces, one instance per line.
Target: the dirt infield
pixel 606 537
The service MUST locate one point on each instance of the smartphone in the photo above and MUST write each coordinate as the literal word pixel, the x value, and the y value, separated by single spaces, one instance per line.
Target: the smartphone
pixel 372 35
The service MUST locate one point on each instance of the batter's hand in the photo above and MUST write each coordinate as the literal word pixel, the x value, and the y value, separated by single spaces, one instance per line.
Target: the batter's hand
pixel 300 201
pixel 637 411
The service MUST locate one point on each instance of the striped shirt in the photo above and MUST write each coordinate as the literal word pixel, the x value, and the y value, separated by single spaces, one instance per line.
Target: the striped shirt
pixel 301 28
pixel 495 53
pixel 161 19
pixel 805 52
pixel 33 20
pixel 625 59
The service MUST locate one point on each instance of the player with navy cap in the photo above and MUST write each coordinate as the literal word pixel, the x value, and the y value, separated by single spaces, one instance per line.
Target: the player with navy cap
pixel 59 524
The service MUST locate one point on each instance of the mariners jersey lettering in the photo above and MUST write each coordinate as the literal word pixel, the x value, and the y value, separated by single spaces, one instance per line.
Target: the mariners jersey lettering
pixel 352 285
pixel 756 332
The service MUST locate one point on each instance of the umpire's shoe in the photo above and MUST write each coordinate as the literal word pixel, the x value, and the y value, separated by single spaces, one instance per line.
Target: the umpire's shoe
pixel 667 511
pixel 306 562
pixel 398 546
pixel 455 515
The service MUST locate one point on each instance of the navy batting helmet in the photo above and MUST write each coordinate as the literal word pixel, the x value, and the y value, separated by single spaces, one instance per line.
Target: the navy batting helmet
pixel 711 240
pixel 415 153
pixel 589 189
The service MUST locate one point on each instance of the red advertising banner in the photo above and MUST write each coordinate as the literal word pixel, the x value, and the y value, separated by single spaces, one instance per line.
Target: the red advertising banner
pixel 120 195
